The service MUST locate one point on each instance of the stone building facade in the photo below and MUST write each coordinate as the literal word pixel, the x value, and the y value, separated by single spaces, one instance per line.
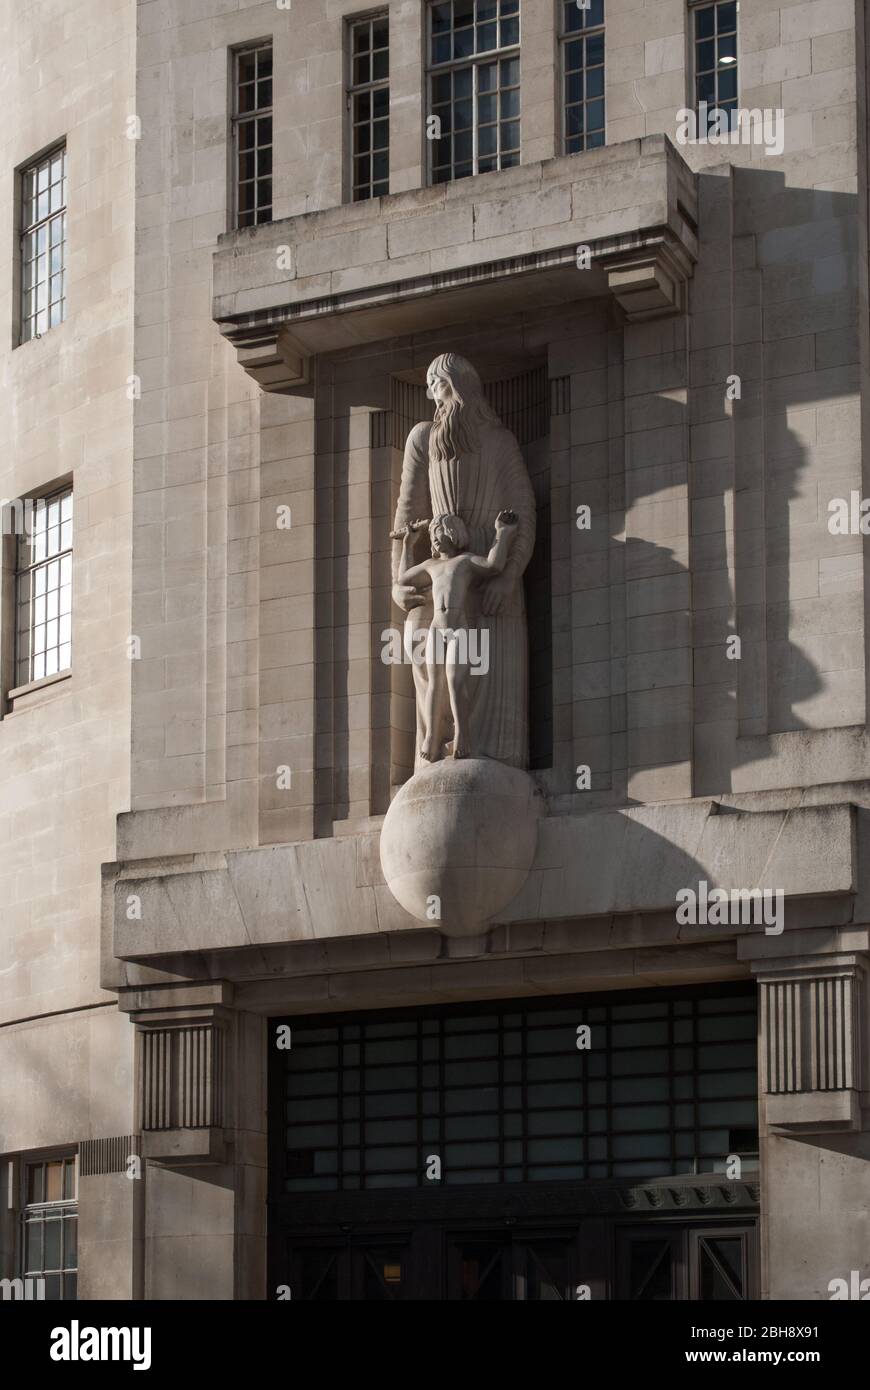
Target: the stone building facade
pixel 272 1078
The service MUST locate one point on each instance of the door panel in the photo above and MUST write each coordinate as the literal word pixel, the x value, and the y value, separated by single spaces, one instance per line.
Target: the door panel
pixel 650 1265
pixel 358 1270
pixel 701 1263
pixel 659 1262
pixel 515 1268
pixel 723 1264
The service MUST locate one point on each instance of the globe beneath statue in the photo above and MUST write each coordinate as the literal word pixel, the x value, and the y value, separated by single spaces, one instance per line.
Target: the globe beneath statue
pixel 458 842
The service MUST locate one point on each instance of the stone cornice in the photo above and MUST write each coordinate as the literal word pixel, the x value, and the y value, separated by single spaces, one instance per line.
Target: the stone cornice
pixel 333 280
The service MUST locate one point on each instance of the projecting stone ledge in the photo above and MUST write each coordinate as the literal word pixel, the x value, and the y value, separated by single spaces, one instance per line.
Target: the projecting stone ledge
pixel 608 863
pixel 479 248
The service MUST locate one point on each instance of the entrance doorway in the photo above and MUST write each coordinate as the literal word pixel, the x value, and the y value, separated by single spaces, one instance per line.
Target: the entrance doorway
pixel 519 1151
pixel 657 1263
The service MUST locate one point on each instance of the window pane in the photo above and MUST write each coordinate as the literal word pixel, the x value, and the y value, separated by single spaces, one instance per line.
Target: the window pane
pixel 51 1250
pixel 33 1246
pixel 54 1181
pixel 36 1183
pixel 705 22
pixel 463 1099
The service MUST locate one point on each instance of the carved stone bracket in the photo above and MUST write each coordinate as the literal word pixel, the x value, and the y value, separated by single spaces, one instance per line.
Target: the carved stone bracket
pixel 814 1044
pixel 271 359
pixel 649 285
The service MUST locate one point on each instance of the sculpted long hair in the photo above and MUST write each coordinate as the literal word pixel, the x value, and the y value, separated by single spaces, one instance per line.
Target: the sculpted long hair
pixel 456 426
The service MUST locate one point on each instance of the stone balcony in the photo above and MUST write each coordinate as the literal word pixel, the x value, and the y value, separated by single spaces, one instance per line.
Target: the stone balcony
pixel 478 248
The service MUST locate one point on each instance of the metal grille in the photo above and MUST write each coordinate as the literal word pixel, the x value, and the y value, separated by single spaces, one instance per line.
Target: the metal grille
pixel 98 1156
pixel 583 75
pixel 369 102
pixel 43 244
pixel 503 1094
pixel 252 135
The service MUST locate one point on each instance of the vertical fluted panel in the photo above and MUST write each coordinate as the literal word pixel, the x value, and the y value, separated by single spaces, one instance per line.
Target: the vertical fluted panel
pixel 781 1027
pixel 183 1076
pixel 832 1034
pixel 811 1030
pixel 156 1079
pixel 98 1156
pixel 560 395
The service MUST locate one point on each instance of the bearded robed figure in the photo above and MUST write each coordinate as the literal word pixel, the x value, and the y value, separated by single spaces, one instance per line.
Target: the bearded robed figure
pixel 467 464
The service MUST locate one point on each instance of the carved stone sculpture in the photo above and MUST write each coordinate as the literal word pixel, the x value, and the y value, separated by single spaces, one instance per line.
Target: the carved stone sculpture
pixel 466 464
pixel 460 836
pixel 450 575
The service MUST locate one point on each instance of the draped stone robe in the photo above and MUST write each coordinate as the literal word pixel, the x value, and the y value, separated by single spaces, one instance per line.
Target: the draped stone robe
pixel 477 487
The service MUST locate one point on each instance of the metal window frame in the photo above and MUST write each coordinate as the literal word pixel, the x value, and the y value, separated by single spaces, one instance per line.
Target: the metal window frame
pixel 474 62
pixel 238 119
pixel 681 1005
pixel 20 571
pixel 566 37
pixel 354 89
pixel 33 1212
pixel 694 6
pixel 26 230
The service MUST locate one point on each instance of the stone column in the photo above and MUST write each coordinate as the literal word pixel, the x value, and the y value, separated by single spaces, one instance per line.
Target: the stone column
pixel 202 1109
pixel 814 1142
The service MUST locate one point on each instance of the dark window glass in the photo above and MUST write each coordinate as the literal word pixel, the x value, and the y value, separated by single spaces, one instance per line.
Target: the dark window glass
pixel 715 59
pixel 509 1096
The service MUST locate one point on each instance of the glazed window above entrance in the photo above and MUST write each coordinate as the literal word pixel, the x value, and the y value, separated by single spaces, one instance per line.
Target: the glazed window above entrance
pixel 368 103
pixel 582 45
pixel 625 1087
pixel 474 87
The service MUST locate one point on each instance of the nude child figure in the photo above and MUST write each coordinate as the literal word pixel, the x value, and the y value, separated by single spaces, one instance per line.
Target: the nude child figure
pixel 450 574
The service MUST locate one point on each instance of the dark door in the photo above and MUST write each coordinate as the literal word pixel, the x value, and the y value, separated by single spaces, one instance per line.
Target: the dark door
pixel 355 1269
pixel 662 1263
pixel 515 1267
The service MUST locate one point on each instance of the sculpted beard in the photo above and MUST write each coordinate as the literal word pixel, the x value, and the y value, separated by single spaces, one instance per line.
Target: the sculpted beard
pixel 452 432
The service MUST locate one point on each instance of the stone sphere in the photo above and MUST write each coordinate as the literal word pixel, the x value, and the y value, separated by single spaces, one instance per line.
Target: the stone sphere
pixel 462 832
